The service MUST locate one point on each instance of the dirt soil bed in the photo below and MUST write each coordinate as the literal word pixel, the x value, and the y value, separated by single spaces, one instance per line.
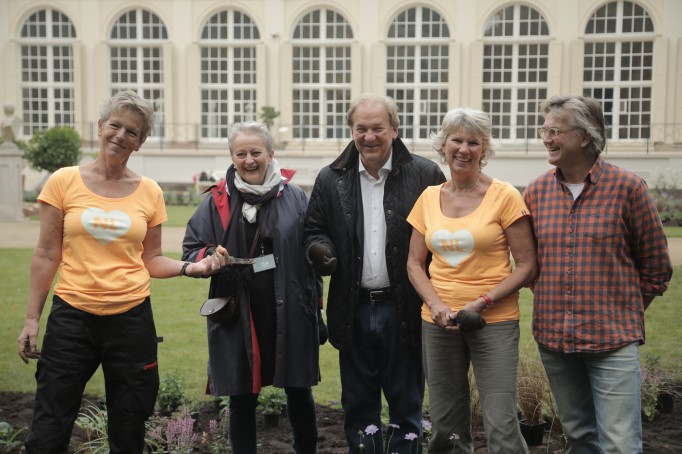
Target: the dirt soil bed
pixel 663 435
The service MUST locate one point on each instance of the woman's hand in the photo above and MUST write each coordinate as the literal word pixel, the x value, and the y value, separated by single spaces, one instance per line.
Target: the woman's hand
pixel 210 265
pixel 441 315
pixel 28 341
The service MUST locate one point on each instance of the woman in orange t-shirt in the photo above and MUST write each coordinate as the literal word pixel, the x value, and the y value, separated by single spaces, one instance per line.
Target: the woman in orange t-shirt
pixel 470 225
pixel 100 225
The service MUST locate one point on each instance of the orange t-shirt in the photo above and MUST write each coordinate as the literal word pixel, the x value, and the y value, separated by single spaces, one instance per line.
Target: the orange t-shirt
pixel 470 253
pixel 102 271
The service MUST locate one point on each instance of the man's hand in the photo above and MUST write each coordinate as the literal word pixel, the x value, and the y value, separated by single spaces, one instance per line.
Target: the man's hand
pixel 322 328
pixel 468 321
pixel 323 260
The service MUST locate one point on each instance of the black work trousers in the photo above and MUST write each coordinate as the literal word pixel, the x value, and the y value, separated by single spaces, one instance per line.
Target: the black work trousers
pixel 76 343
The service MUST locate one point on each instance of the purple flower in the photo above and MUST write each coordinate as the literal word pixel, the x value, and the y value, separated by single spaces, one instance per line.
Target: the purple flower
pixel 411 436
pixel 371 429
pixel 394 426
pixel 426 424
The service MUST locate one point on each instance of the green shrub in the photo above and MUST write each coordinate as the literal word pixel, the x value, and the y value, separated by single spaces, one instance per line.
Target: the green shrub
pixel 271 400
pixel 9 441
pixel 171 393
pixel 53 149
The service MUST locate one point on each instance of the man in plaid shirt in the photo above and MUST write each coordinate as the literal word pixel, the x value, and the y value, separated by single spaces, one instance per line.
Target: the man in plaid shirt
pixel 603 257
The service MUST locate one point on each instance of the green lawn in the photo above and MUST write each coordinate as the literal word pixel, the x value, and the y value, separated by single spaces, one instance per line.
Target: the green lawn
pixel 673 232
pixel 176 304
pixel 178 215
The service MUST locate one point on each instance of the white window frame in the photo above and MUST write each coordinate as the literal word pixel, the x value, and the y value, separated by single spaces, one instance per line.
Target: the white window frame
pixel 515 118
pixel 320 99
pixel 609 89
pixel 422 102
pixel 214 127
pixel 140 46
pixel 49 45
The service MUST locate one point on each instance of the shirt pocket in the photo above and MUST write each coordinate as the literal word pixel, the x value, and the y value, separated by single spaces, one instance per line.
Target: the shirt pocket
pixel 601 225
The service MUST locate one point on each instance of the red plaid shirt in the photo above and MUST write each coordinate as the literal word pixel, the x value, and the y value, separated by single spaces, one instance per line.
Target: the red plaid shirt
pixel 597 256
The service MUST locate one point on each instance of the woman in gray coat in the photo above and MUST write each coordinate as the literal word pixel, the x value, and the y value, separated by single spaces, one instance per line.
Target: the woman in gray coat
pixel 274 339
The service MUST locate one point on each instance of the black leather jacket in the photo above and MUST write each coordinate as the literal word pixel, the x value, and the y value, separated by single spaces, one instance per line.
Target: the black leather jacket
pixel 334 218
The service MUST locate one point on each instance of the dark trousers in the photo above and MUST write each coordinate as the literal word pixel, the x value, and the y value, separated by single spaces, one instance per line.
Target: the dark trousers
pixel 300 411
pixel 74 346
pixel 375 363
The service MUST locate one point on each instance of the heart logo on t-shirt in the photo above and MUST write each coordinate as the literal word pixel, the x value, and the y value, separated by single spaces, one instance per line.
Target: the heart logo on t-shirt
pixel 453 247
pixel 104 226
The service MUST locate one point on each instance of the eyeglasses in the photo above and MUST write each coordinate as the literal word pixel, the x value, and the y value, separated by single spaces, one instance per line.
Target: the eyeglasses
pixel 551 133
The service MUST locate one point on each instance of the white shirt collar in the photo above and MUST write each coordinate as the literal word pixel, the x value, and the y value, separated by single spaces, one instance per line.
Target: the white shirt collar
pixel 386 168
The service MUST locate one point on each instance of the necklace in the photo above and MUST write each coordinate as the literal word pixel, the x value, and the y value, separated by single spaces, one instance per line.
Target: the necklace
pixel 469 189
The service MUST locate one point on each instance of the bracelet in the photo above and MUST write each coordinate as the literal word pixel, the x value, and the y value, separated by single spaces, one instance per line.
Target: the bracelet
pixel 487 299
pixel 183 270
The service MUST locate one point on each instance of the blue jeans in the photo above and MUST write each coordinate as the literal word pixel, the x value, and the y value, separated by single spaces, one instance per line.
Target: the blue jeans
pixel 598 398
pixel 373 363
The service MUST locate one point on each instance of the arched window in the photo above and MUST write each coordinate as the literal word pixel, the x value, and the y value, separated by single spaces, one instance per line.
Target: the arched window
pixel 47 85
pixel 515 71
pixel 618 67
pixel 136 54
pixel 417 70
pixel 228 72
pixel 321 75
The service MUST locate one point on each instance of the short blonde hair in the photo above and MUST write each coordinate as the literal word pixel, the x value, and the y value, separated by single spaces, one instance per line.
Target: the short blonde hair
pixel 474 121
pixel 128 99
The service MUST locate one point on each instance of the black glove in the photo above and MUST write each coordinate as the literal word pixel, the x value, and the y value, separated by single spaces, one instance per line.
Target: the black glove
pixel 468 321
pixel 322 328
pixel 323 260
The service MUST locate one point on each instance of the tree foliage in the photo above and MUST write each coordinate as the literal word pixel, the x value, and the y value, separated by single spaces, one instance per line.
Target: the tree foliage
pixel 54 148
pixel 267 115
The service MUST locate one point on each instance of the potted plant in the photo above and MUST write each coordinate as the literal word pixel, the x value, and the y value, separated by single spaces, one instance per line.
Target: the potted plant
pixel 657 389
pixel 530 393
pixel 271 402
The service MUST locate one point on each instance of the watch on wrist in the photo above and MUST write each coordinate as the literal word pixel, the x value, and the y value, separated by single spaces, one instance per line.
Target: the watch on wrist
pixel 183 270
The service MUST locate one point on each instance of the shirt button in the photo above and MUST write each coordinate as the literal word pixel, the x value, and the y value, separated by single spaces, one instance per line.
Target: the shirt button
pixel 569 292
pixel 569 312
pixel 569 272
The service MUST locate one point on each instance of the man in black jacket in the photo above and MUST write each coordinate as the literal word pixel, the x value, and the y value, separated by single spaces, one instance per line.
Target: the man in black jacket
pixel 356 231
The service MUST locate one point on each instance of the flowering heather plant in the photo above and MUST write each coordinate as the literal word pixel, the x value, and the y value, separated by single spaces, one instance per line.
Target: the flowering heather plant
pixel 216 439
pixel 180 436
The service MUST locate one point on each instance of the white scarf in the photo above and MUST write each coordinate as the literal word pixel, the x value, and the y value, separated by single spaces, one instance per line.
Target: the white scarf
pixel 273 177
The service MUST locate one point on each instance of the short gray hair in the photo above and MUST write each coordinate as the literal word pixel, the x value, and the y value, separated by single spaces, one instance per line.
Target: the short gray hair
pixel 473 121
pixel 388 102
pixel 250 127
pixel 585 113
pixel 128 99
